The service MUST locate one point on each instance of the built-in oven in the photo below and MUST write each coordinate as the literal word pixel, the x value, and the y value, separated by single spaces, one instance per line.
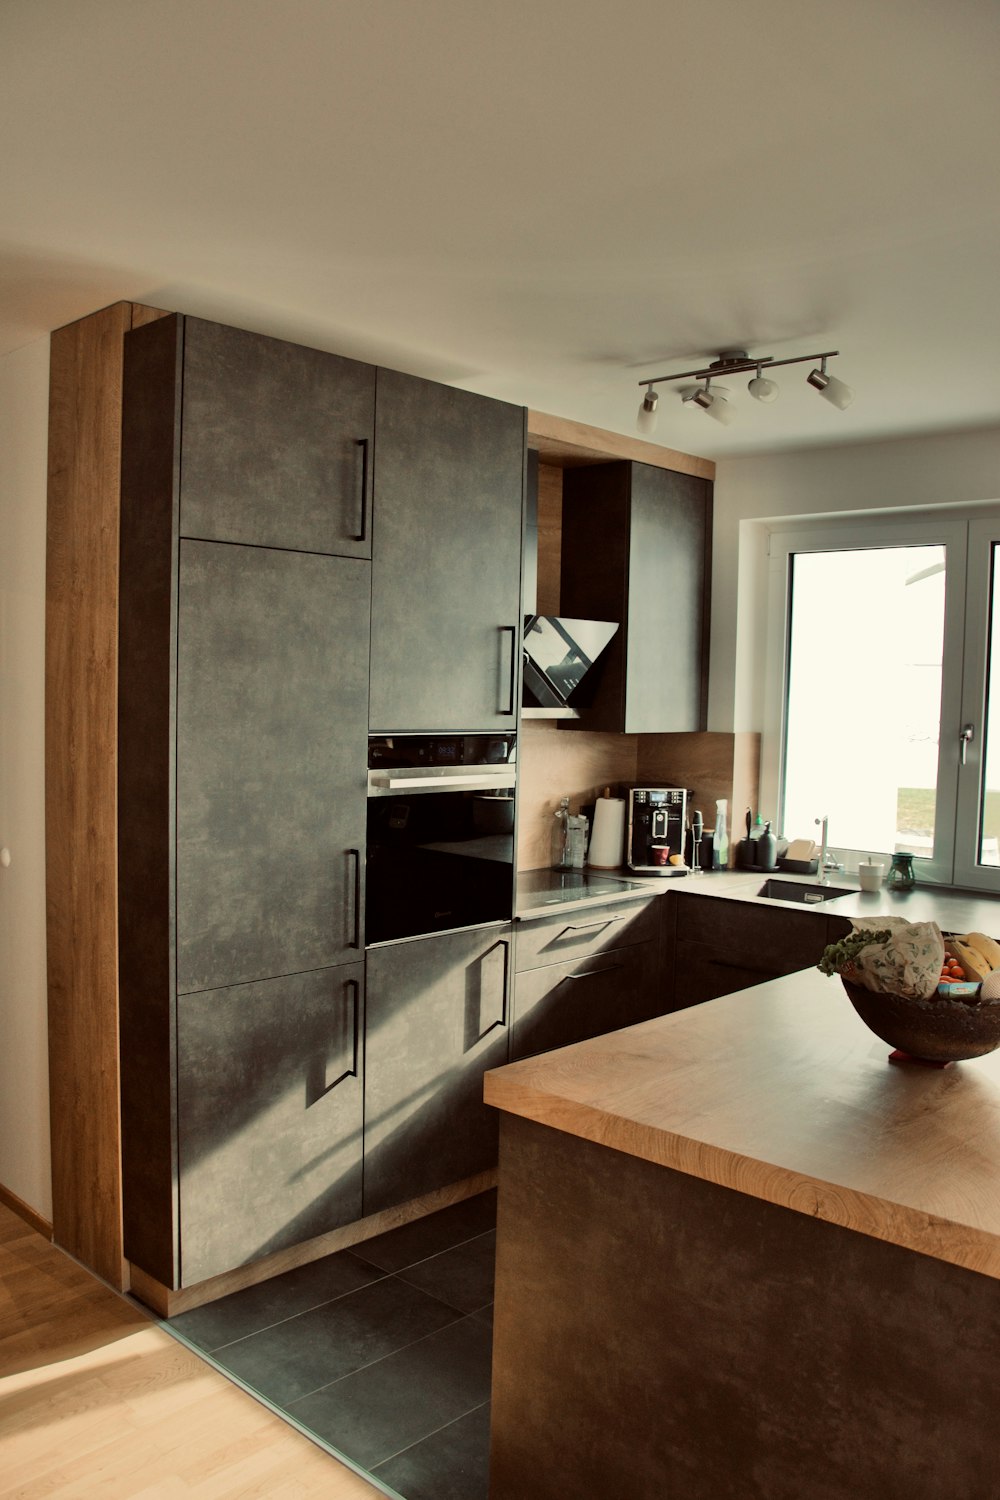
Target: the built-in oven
pixel 440 833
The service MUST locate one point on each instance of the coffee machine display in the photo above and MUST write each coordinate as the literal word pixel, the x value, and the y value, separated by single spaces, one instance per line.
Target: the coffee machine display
pixel 655 834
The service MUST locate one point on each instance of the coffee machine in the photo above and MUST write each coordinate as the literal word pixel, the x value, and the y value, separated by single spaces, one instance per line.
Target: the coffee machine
pixel 656 823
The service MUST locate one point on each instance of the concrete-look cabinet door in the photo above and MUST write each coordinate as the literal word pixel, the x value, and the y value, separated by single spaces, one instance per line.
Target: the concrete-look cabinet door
pixel 271 714
pixel 636 548
pixel 446 558
pixel 276 442
pixel 269 1110
pixel 436 1021
pixel 560 1004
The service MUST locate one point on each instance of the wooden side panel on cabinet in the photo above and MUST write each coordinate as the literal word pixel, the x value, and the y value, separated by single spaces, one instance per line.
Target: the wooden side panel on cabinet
pixel 269 1116
pixel 446 610
pixel 81 635
pixel 277 443
pixel 436 1020
pixel 636 549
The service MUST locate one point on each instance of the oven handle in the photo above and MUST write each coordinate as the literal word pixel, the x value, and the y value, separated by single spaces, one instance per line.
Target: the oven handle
pixel 418 780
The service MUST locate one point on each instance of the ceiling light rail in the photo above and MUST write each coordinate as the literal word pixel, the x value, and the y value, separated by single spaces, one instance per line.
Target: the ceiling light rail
pixel 738 362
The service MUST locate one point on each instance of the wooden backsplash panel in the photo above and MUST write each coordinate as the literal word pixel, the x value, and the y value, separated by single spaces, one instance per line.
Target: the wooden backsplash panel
pixel 552 766
pixel 550 503
pixel 711 765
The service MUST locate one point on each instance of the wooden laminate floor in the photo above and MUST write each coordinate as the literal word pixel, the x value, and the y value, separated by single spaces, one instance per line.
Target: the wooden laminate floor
pixel 97 1400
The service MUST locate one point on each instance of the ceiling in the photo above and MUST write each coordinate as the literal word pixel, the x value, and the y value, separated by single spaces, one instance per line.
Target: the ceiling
pixel 543 200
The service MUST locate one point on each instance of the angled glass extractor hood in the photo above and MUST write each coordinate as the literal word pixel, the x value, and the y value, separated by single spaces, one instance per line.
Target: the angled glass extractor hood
pixel 558 654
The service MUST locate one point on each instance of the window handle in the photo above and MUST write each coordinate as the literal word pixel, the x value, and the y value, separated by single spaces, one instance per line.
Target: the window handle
pixel 966 735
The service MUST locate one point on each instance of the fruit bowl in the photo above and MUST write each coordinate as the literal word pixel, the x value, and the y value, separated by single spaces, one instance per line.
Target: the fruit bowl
pixel 935 1030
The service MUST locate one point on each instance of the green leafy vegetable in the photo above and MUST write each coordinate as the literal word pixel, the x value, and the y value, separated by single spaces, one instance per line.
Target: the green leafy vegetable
pixel 839 956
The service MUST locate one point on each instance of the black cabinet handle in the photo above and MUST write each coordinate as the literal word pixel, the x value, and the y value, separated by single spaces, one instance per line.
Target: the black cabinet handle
pixel 722 963
pixel 591 973
pixel 355 854
pixel 512 681
pixel 502 1018
pixel 362 534
pixel 586 926
pixel 352 1071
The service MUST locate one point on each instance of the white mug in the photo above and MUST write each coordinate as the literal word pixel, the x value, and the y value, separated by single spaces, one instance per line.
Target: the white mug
pixel 871 874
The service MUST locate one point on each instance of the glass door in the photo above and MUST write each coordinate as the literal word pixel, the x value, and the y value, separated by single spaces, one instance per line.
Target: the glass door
pixel 977 735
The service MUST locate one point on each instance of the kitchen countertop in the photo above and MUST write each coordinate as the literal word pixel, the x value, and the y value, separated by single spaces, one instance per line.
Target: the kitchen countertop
pixel 542 891
pixel 953 909
pixel 782 1093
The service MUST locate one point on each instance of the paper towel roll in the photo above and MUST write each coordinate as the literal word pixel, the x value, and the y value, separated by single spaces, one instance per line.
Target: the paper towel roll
pixel 608 838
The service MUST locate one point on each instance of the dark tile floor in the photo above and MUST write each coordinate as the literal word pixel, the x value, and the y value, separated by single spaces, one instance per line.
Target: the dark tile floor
pixel 382 1351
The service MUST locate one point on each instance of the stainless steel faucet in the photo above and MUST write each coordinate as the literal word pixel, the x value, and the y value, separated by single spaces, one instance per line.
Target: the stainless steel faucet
pixel 826 860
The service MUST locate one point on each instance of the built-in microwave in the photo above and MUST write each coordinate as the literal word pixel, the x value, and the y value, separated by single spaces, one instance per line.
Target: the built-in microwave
pixel 440 851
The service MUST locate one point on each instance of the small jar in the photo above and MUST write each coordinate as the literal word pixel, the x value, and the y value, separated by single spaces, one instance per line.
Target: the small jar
pixel 901 876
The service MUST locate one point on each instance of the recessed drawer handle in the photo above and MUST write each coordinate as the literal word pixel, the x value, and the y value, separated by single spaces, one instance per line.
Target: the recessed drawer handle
pixel 591 973
pixel 589 926
pixel 721 963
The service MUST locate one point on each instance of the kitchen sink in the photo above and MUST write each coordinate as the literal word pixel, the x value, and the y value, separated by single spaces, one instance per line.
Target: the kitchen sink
pixel 793 890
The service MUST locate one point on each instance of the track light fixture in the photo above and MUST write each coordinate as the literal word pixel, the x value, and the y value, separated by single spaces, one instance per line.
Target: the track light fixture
pixel 737 362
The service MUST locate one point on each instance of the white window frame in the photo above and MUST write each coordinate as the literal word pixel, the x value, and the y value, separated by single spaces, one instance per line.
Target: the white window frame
pixel 860 533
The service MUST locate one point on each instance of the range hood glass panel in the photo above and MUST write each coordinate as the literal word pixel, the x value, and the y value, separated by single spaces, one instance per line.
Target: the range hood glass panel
pixel 558 653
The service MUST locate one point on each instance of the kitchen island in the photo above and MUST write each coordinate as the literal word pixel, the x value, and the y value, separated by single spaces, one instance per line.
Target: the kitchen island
pixel 741 1254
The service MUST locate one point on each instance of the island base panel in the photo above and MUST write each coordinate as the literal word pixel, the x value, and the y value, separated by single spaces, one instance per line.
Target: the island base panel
pixel 659 1336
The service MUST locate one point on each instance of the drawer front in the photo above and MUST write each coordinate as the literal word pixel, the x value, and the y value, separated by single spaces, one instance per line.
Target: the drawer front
pixel 571 935
pixel 560 1004
pixel 755 936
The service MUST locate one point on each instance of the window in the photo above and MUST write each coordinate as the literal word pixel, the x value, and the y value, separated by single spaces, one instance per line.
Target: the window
pixel 880 694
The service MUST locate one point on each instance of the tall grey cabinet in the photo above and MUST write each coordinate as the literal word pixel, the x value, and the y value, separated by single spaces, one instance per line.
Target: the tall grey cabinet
pixel 446 602
pixel 242 747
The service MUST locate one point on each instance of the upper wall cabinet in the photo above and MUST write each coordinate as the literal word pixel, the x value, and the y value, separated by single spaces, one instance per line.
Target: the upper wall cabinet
pixel 636 548
pixel 277 442
pixel 446 559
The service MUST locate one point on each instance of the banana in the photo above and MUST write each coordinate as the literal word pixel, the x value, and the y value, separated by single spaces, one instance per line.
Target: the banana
pixel 985 946
pixel 974 965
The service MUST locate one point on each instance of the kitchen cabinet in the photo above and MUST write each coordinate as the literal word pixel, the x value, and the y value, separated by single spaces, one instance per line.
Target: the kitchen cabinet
pixel 636 549
pixel 436 1020
pixel 562 936
pixel 723 946
pixel 275 440
pixel 563 1003
pixel 269 1115
pixel 271 756
pixel 446 609
pixel 242 805
pixel 582 973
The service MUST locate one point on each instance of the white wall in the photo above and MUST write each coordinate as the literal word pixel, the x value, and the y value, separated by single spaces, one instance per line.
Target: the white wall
pixel 25 1165
pixel 946 469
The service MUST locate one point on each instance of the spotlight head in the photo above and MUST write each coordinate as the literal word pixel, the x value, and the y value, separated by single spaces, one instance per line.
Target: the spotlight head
pixel 646 420
pixel 722 410
pixel 830 388
pixel 762 389
pixel 712 399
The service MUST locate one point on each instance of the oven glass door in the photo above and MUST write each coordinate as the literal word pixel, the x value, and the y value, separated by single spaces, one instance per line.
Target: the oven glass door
pixel 438 859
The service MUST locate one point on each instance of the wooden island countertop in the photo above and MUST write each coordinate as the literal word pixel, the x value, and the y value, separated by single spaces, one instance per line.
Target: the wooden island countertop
pixel 781 1093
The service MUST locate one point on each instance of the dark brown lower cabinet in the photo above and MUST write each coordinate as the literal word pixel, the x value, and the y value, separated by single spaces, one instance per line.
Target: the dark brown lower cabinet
pixel 559 1004
pixel 436 1020
pixel 269 1105
pixel 722 946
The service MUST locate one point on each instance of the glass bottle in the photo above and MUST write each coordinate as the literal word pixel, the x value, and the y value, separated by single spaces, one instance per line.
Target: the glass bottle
pixel 560 840
pixel 720 837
